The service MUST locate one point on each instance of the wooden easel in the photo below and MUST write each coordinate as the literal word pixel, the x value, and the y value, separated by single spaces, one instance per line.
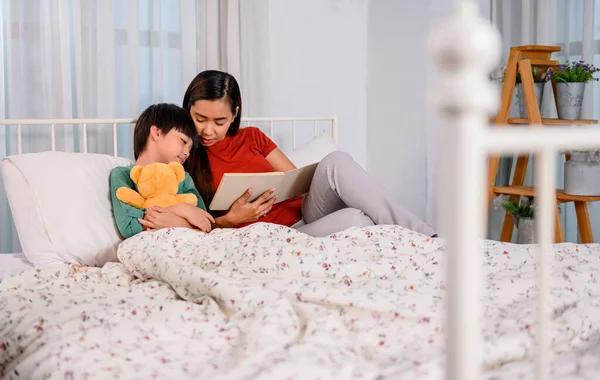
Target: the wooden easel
pixel 522 59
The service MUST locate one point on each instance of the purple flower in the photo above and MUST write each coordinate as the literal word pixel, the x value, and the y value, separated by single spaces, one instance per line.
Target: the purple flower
pixel 573 72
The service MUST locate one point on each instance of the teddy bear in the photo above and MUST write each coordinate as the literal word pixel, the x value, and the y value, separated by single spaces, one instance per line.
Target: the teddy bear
pixel 157 185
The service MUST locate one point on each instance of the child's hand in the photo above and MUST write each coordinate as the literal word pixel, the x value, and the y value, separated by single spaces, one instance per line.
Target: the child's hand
pixel 155 219
pixel 201 219
pixel 194 215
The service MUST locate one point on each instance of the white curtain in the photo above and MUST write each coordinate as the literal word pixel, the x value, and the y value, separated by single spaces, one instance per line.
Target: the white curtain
pixel 574 25
pixel 242 48
pixel 111 58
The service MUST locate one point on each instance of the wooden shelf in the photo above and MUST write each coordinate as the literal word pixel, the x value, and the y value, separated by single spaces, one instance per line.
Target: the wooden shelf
pixel 554 121
pixel 537 48
pixel 550 121
pixel 543 63
pixel 521 60
pixel 530 192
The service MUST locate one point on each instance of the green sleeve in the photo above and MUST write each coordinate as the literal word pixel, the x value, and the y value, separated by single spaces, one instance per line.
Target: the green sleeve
pixel 187 187
pixel 125 215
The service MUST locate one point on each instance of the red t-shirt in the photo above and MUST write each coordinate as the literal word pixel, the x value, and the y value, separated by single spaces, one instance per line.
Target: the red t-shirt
pixel 246 152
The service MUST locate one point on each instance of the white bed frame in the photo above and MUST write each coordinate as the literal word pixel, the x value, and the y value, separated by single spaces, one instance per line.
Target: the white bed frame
pixel 116 123
pixel 466 48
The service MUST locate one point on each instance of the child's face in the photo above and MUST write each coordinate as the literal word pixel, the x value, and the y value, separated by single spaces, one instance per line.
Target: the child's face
pixel 173 146
pixel 212 119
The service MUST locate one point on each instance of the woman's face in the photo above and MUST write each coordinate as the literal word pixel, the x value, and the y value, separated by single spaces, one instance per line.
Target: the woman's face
pixel 212 119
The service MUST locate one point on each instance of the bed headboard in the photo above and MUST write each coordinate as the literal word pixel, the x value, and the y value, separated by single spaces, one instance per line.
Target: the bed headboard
pixel 295 127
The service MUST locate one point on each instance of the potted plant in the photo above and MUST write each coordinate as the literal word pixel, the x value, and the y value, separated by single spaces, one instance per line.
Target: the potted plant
pixel 582 173
pixel 570 80
pixel 523 215
pixel 540 77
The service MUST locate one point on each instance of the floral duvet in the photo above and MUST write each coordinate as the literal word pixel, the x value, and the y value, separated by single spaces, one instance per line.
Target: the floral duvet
pixel 267 302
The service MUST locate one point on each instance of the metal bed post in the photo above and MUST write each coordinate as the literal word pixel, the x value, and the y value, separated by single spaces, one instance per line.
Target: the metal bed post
pixel 465 48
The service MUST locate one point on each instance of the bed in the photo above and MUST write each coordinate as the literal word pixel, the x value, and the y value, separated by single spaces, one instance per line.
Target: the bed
pixel 265 301
pixel 268 302
pixel 13 263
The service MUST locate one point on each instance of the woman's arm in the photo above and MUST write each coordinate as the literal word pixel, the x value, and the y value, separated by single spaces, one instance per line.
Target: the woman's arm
pixel 279 161
pixel 243 211
pixel 240 212
pixel 223 222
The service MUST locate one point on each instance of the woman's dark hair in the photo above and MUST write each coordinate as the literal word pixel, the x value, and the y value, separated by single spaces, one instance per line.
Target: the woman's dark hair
pixel 210 85
pixel 165 117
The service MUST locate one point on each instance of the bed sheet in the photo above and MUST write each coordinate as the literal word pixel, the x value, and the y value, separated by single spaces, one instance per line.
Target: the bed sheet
pixel 268 302
pixel 13 263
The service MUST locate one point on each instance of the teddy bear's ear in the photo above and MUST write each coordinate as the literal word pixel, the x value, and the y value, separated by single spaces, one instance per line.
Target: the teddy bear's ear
pixel 178 170
pixel 135 173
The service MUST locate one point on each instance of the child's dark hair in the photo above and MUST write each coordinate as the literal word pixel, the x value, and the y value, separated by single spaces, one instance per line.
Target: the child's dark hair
pixel 165 117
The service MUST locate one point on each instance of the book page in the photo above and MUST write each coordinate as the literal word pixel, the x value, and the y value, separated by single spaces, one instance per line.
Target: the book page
pixel 233 186
pixel 295 182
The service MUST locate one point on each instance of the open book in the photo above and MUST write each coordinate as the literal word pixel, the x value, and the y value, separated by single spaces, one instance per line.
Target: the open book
pixel 287 185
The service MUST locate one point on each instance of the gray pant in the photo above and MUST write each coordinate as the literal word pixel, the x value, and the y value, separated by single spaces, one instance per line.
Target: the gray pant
pixel 343 195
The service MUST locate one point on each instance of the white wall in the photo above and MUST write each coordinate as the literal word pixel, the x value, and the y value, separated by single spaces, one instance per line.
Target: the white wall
pixel 403 129
pixel 318 65
pixel 402 126
pixel 368 62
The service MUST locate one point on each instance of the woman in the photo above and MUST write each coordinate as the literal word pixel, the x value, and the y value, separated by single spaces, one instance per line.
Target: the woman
pixel 341 195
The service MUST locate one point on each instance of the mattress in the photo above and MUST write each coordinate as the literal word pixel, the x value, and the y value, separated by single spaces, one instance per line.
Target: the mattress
pixel 13 263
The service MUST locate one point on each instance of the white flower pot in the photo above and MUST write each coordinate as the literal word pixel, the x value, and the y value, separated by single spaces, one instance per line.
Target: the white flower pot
pixel 525 231
pixel 582 175
pixel 570 99
pixel 539 93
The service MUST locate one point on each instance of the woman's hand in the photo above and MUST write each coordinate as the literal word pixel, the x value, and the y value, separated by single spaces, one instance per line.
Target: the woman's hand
pixel 155 219
pixel 243 211
pixel 194 215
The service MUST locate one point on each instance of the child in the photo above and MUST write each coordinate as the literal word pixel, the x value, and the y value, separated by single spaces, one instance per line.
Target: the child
pixel 163 133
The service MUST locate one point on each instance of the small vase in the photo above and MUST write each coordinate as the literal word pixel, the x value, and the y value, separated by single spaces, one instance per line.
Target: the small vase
pixel 539 93
pixel 582 175
pixel 569 100
pixel 525 231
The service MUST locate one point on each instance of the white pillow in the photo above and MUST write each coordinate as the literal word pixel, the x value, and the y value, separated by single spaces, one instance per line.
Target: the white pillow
pixel 61 206
pixel 313 152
